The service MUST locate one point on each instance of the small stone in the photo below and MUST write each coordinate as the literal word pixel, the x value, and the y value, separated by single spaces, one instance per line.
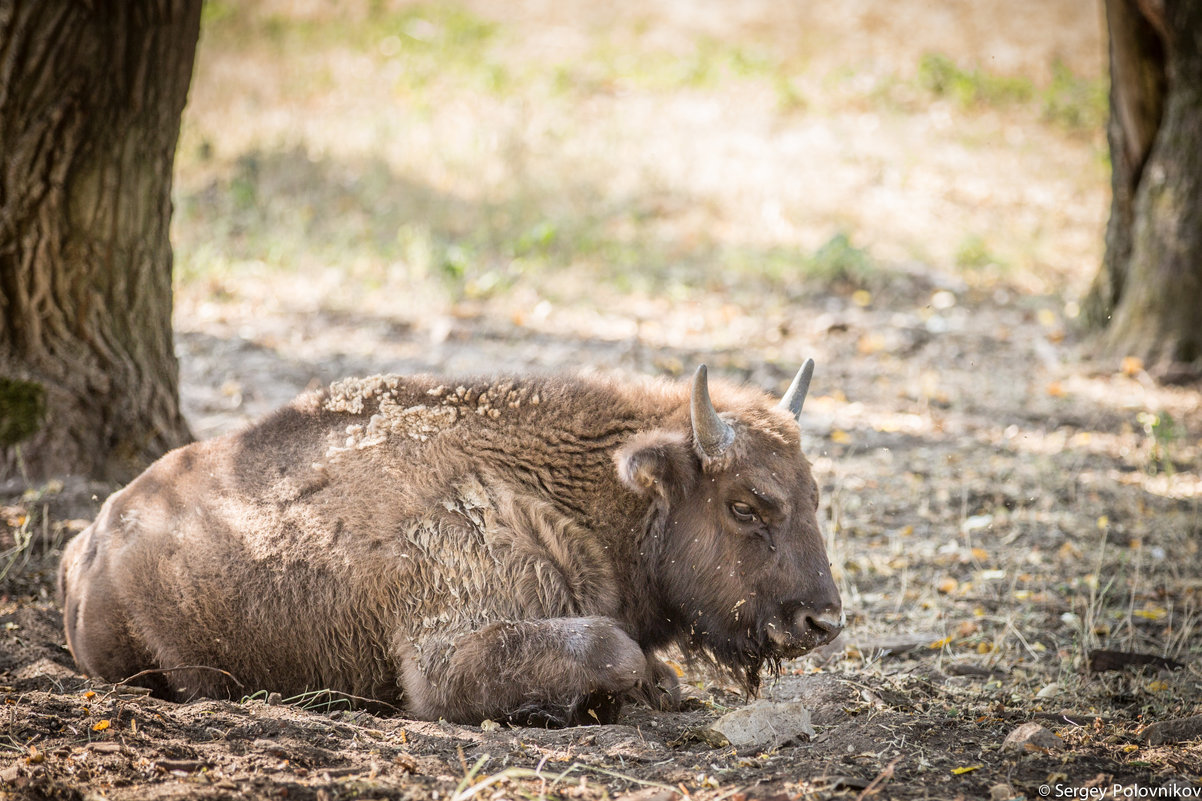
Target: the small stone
pixel 1001 792
pixel 1174 731
pixel 765 724
pixel 651 794
pixel 274 699
pixel 1031 738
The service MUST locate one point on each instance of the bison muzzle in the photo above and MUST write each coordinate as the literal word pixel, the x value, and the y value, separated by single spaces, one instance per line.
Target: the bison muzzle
pixel 515 549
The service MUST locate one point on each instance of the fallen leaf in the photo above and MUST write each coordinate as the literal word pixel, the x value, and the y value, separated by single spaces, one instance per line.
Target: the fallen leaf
pixel 967 628
pixel 1068 551
pixel 1132 365
pixel 966 769
pixel 870 343
pixel 1049 691
pixel 976 523
pixel 947 585
pixel 840 436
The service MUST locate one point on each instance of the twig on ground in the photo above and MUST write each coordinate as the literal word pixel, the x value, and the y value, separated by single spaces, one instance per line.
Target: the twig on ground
pixel 151 671
pixel 875 785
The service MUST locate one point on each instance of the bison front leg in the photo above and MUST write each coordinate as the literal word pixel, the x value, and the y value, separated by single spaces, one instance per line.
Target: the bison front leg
pixel 557 671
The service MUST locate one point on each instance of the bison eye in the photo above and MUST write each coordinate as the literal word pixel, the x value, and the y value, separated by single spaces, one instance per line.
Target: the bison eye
pixel 743 512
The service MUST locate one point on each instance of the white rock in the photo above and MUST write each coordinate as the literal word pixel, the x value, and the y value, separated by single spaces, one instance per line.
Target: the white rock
pixel 1032 738
pixel 765 723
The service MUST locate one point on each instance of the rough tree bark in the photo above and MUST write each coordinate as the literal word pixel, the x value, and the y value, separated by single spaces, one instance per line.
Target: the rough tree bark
pixel 91 95
pixel 1148 294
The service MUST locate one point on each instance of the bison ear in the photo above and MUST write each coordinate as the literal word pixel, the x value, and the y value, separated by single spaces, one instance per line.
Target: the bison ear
pixel 657 463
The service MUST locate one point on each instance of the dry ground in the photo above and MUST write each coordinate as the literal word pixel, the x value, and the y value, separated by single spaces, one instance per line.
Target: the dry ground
pixel 913 195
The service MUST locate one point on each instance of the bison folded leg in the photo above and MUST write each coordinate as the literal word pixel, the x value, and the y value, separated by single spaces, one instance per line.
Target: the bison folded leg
pixel 558 671
pixel 662 689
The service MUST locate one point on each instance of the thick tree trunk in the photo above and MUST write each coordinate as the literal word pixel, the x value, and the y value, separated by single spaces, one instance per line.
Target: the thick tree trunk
pixel 1148 294
pixel 91 95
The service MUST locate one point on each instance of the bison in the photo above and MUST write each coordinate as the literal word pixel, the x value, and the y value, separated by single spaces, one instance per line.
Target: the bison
pixel 509 548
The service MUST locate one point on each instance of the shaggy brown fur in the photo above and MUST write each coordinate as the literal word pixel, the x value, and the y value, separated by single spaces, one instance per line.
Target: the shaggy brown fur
pixel 510 548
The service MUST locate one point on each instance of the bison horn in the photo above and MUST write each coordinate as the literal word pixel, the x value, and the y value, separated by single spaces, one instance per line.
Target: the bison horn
pixel 712 434
pixel 796 394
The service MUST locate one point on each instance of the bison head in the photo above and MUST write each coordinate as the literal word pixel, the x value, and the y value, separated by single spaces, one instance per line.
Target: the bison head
pixel 741 571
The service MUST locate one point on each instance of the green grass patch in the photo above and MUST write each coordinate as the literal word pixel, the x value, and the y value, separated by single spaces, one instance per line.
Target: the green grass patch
pixel 1075 102
pixel 429 43
pixel 1070 101
pixel 839 261
pixel 624 60
pixel 942 77
pixel 974 253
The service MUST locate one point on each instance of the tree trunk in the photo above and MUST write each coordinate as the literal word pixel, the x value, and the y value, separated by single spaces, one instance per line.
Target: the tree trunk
pixel 1148 294
pixel 91 95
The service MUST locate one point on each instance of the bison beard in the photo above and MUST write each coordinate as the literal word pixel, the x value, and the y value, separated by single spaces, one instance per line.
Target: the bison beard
pixel 513 549
pixel 742 655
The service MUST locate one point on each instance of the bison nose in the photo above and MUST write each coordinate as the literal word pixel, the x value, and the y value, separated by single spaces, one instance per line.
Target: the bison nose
pixel 819 626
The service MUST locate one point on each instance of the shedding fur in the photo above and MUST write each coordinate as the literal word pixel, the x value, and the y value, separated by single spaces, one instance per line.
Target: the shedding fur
pixel 513 548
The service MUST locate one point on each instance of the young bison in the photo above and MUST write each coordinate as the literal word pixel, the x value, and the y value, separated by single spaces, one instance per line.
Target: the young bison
pixel 514 549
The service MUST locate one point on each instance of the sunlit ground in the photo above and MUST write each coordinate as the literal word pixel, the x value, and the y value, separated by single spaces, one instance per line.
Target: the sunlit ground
pixel 527 152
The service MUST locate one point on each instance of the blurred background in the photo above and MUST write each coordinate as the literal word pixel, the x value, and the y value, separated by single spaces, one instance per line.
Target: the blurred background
pixel 707 176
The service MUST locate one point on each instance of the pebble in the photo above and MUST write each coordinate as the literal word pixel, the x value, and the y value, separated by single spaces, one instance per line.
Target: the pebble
pixel 1031 738
pixel 1002 792
pixel 765 724
pixel 1174 731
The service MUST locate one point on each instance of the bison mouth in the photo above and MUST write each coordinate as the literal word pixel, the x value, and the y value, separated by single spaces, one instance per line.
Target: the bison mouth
pixel 742 652
pixel 786 645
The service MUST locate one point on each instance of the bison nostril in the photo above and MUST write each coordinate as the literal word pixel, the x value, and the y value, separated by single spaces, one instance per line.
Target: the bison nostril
pixel 822 626
pixel 828 620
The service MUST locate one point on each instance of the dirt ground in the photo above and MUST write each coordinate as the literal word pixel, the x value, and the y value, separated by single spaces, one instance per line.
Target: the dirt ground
pixel 995 510
pixel 1000 503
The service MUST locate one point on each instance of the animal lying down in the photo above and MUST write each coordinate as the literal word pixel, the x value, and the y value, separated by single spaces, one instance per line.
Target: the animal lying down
pixel 514 549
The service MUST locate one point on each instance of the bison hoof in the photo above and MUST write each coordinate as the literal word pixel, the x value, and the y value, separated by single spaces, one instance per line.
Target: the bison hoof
pixel 661 689
pixel 615 660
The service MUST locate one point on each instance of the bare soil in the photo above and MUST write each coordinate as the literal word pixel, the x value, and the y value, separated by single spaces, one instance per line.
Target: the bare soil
pixel 995 509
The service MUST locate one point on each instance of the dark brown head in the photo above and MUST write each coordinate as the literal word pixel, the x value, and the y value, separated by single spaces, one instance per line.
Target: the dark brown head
pixel 743 572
